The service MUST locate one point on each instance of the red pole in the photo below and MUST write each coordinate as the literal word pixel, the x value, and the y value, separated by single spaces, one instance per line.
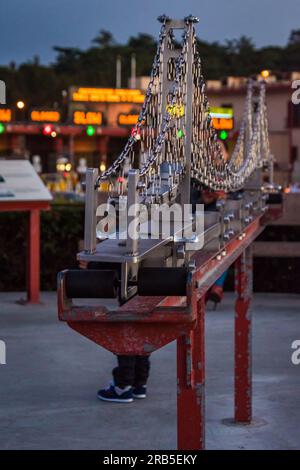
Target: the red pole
pixel 191 386
pixel 243 338
pixel 290 127
pixel 33 280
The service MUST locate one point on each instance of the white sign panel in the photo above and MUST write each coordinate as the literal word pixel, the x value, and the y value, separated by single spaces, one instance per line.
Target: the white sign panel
pixel 20 182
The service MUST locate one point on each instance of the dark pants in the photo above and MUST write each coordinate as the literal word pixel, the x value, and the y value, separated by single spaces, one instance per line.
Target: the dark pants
pixel 131 370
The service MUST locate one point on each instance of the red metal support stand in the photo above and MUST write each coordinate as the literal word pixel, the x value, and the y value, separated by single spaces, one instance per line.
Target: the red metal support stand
pixel 145 324
pixel 191 385
pixel 33 265
pixel 33 249
pixel 243 338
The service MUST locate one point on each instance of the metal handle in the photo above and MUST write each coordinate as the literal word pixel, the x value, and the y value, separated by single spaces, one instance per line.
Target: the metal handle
pixel 90 210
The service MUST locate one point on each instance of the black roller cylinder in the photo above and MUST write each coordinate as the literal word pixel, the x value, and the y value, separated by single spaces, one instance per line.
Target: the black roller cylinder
pixel 91 284
pixel 274 198
pixel 162 281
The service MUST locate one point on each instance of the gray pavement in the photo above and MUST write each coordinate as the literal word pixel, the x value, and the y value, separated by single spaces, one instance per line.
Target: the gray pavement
pixel 48 386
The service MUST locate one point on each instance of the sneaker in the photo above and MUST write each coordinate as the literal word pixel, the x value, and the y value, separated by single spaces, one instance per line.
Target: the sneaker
pixel 140 392
pixel 115 394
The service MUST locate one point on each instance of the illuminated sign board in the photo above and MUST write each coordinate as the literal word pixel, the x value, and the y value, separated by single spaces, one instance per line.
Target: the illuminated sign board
pixel 222 118
pixel 223 123
pixel 127 119
pixel 107 95
pixel 43 115
pixel 87 118
pixel 5 115
pixel 226 113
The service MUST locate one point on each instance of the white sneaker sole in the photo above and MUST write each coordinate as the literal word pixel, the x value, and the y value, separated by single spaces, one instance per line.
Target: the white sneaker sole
pixel 139 396
pixel 115 400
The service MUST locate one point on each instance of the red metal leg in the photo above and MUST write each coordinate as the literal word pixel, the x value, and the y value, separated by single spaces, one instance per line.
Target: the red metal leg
pixel 33 279
pixel 191 386
pixel 243 338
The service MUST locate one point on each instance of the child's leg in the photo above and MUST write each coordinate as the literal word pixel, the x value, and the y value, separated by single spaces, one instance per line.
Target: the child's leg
pixel 142 369
pixel 124 373
pixel 130 377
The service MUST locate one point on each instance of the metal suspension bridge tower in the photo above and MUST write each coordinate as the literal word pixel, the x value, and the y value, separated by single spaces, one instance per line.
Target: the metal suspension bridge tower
pixel 160 282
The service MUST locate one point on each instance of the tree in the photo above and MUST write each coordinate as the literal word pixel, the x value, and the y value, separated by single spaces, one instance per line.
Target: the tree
pixel 294 37
pixel 96 66
pixel 104 39
pixel 67 58
pixel 142 41
pixel 239 46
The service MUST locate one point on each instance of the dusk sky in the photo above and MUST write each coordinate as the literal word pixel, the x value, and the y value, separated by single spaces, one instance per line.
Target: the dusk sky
pixel 33 27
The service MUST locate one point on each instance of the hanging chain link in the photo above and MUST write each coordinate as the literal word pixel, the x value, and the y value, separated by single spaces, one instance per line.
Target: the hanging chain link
pixel 138 128
pixel 159 137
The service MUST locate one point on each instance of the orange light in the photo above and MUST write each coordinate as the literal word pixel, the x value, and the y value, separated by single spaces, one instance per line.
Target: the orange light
pixel 20 104
pixel 43 115
pixel 108 95
pixel 87 118
pixel 222 124
pixel 127 119
pixel 265 73
pixel 5 115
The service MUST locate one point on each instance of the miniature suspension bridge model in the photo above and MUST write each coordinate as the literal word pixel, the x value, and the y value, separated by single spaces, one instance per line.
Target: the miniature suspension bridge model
pixel 161 281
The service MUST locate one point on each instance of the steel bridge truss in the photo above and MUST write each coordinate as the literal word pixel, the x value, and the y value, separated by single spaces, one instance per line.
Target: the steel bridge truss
pixel 161 284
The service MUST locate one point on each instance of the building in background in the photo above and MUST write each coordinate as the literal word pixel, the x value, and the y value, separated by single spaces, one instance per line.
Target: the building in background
pixel 94 123
pixel 283 117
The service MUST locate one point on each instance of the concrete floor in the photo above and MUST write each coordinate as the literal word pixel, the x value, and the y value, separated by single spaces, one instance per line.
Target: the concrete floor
pixel 48 386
